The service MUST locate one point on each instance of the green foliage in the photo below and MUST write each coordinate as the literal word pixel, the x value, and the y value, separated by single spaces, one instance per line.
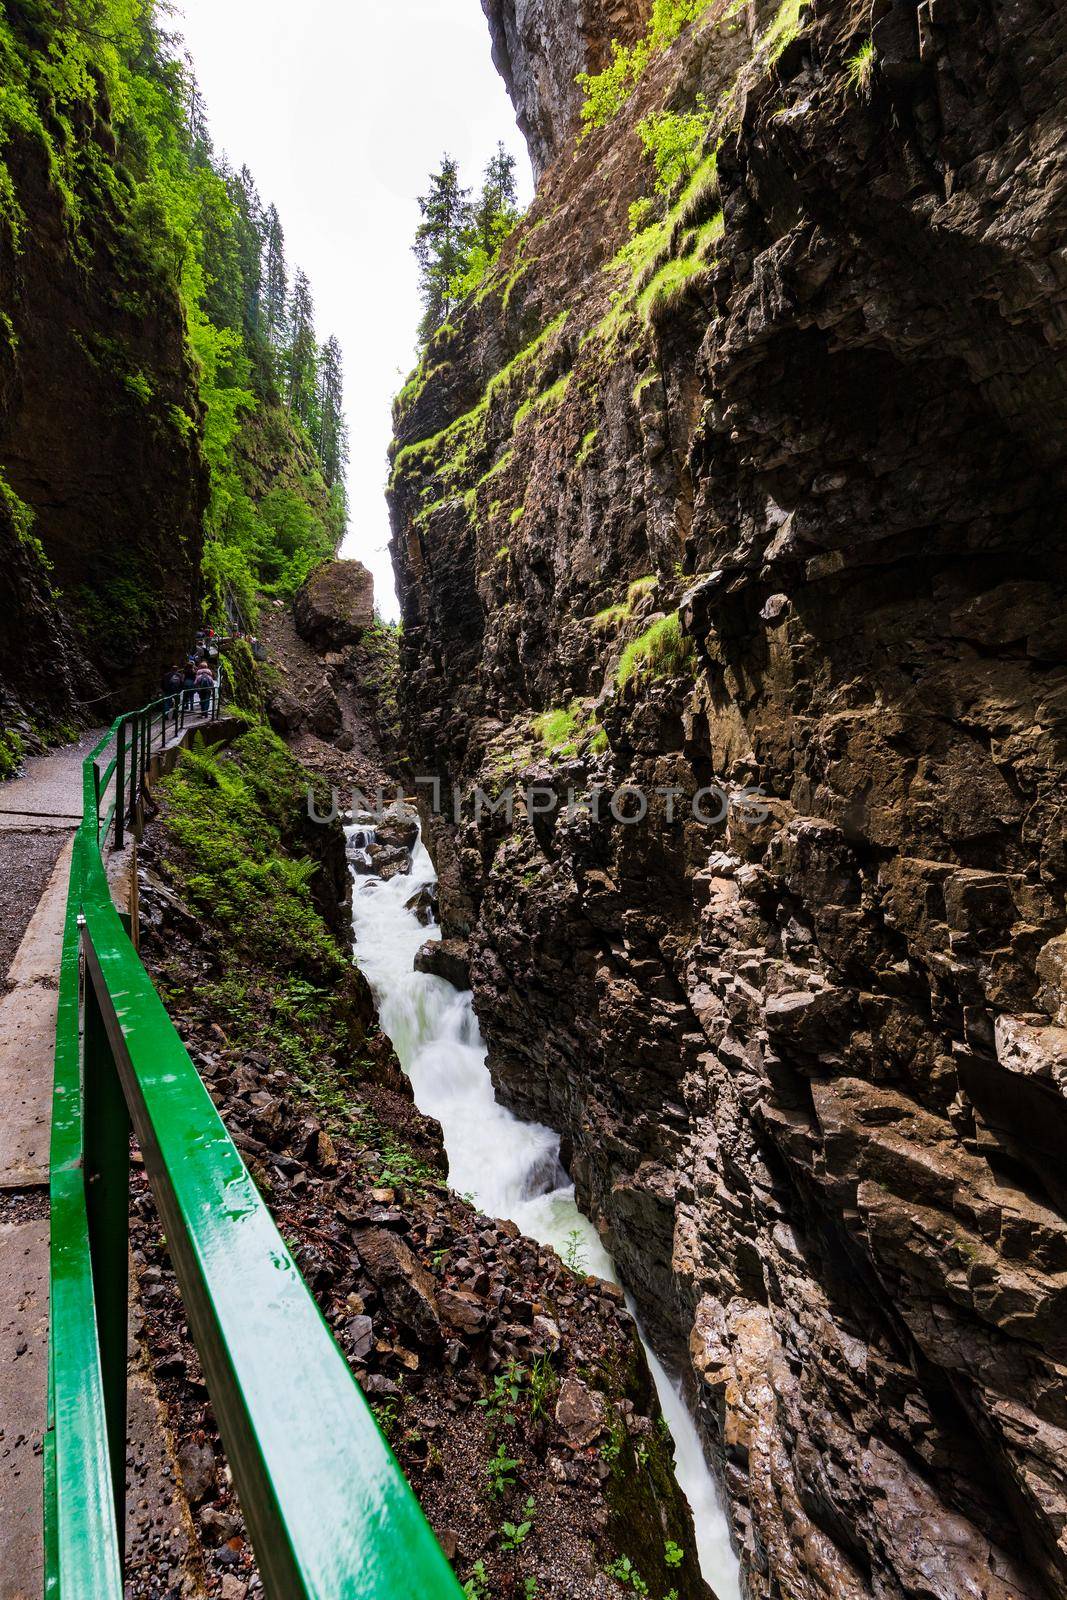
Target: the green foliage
pixel 674 139
pixel 662 650
pixel 514 1534
pixel 500 1470
pixel 102 88
pixel 658 264
pixel 783 30
pixel 588 445
pixel 20 518
pixel 477 1585
pixel 673 1554
pixel 562 730
pixel 860 67
pixel 574 1256
pixel 458 242
pixel 11 753
pixel 226 813
pixel 449 454
pixel 542 1386
pixel 669 287
pixel 607 92
pixel 549 400
pixel 503 1398
pixel 624 1572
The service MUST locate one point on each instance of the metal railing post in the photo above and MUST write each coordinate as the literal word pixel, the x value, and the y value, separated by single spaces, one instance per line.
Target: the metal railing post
pixel 120 787
pixel 107 1187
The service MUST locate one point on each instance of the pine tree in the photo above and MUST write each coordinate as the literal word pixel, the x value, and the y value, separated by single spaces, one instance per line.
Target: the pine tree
pixel 198 133
pixel 249 239
pixel 440 243
pixel 496 209
pixel 275 280
pixel 333 434
pixel 302 355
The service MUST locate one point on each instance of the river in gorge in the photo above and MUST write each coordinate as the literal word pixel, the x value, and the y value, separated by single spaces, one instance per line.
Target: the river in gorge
pixel 511 1169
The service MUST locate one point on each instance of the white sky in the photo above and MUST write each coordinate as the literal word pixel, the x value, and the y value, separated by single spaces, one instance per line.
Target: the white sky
pixel 341 108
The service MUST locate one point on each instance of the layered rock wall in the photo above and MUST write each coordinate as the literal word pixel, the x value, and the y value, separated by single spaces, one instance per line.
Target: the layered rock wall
pixel 810 1065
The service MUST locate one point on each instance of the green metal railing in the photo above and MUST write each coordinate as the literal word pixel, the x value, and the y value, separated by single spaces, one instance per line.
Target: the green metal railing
pixel 328 1509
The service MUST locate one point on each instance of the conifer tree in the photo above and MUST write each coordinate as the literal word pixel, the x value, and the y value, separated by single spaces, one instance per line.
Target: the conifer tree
pixel 440 243
pixel 333 433
pixel 496 210
pixel 302 355
pixel 275 280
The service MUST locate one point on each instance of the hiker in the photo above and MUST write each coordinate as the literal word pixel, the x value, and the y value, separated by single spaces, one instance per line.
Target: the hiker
pixel 189 685
pixel 205 686
pixel 172 687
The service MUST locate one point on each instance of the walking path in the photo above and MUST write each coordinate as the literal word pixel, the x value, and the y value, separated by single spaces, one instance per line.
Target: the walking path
pixel 49 793
pixel 39 815
pixel 34 849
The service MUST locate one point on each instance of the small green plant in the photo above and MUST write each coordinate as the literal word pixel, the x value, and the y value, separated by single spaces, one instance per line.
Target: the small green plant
pixel 543 1385
pixel 531 1589
pixel 500 1470
pixel 477 1585
pixel 574 1256
pixel 499 1404
pixel 673 1554
pixel 513 1534
pixel 138 386
pixel 624 1572
pixel 387 1413
pixel 612 1448
pixel 860 67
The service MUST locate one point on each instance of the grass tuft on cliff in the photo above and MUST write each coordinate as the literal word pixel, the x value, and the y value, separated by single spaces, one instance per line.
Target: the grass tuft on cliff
pixel 663 651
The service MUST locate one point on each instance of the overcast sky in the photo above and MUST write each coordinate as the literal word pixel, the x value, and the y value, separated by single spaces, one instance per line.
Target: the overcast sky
pixel 341 108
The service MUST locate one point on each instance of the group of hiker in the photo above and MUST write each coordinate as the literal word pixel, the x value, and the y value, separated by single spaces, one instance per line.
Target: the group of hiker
pixel 198 679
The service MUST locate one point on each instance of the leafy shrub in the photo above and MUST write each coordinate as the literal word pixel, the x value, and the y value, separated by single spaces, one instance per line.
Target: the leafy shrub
pixel 674 139
pixel 607 92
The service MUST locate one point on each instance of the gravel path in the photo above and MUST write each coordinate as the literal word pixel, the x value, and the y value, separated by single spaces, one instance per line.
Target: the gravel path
pixel 26 863
pixel 50 788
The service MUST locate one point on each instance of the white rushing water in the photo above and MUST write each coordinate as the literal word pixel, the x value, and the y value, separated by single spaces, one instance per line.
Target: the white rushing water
pixel 511 1169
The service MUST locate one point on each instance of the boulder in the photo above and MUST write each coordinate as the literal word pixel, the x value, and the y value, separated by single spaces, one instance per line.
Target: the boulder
pixel 579 1413
pixel 423 905
pixel 448 959
pixel 406 1288
pixel 324 713
pixel 335 607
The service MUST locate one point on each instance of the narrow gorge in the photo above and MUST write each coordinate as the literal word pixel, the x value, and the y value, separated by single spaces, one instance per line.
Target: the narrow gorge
pixel 750 474
pixel 618 1012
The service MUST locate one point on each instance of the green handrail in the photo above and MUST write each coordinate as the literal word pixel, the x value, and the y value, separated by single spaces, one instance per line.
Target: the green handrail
pixel 329 1511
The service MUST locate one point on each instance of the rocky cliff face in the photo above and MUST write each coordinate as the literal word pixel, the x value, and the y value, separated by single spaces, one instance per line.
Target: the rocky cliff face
pixel 540 47
pixel 764 487
pixel 99 455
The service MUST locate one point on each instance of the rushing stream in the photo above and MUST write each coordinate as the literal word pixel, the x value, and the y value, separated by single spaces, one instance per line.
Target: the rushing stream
pixel 511 1169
